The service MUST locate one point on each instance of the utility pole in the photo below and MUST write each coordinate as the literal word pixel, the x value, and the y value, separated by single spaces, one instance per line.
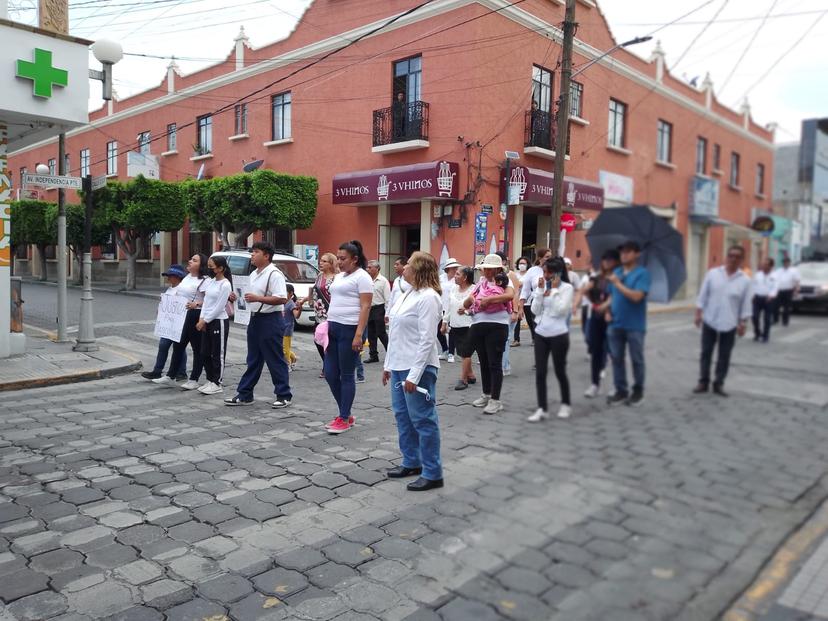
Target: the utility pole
pixel 86 325
pixel 562 125
pixel 62 311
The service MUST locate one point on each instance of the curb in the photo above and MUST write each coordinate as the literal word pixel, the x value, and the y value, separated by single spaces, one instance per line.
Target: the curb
pixel 73 378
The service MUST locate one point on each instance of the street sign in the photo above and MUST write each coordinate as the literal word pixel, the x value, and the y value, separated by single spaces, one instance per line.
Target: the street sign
pixel 98 182
pixel 54 181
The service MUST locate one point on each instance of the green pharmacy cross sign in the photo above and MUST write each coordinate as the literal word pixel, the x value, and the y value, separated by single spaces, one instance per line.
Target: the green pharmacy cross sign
pixel 42 74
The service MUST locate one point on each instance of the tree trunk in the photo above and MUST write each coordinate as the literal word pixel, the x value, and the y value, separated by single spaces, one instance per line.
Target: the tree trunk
pixel 41 253
pixel 130 245
pixel 132 258
pixel 241 237
pixel 225 239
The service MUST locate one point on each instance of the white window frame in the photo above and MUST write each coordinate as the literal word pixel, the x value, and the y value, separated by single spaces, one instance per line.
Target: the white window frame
pixel 576 99
pixel 172 137
pixel 664 142
pixel 144 140
pixel 112 157
pixel 53 166
pixel 617 124
pixel 281 115
pixel 204 129
pixel 701 155
pixel 85 162
pixel 240 119
pixel 735 164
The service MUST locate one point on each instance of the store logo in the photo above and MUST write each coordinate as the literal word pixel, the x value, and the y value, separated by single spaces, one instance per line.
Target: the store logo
pixel 382 188
pixel 445 180
pixel 42 74
pixel 517 185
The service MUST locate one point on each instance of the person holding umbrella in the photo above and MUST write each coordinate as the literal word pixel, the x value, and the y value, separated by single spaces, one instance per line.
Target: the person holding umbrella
pixel 628 289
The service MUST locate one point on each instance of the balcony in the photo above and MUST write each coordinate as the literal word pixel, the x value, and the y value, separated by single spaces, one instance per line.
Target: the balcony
pixel 539 134
pixel 401 127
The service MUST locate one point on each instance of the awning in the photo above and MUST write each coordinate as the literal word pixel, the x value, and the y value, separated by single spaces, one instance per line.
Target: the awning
pixel 709 220
pixel 399 184
pixel 534 188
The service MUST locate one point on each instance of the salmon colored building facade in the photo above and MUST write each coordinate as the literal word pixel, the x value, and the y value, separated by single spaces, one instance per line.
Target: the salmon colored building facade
pixel 406 131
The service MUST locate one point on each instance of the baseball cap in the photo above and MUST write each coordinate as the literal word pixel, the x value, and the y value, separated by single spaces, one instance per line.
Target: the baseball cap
pixel 175 270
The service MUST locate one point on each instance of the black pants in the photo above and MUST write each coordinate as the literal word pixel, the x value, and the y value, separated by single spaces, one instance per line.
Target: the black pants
pixel 441 338
pixel 762 309
pixel 530 318
pixel 489 341
pixel 376 330
pixel 584 321
pixel 558 346
pixel 214 349
pixel 597 344
pixel 192 337
pixel 784 301
pixel 709 338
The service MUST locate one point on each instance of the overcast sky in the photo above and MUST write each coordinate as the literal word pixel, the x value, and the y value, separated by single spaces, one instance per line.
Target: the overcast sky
pixel 770 50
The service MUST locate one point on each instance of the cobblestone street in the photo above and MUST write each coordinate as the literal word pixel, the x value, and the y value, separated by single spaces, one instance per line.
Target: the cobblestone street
pixel 122 500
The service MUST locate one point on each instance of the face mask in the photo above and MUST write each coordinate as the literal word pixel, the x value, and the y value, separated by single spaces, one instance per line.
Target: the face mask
pixel 522 267
pixel 211 273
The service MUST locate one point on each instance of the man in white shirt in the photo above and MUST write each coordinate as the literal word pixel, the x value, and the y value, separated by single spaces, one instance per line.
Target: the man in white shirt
pixel 787 281
pixel 764 296
pixel 398 287
pixel 530 281
pixel 266 298
pixel 376 318
pixel 722 311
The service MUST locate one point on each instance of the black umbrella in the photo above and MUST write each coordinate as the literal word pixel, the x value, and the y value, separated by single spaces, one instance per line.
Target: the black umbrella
pixel 662 246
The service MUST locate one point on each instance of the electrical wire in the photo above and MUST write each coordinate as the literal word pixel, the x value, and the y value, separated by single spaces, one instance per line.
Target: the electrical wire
pixel 747 47
pixel 701 33
pixel 727 20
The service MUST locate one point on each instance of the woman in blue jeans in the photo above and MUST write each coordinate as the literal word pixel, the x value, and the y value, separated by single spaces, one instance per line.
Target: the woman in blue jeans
pixel 411 364
pixel 351 292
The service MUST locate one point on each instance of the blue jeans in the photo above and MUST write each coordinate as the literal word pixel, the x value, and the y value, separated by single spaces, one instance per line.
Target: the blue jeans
pixel 619 339
pixel 164 346
pixel 417 425
pixel 507 364
pixel 339 366
pixel 264 346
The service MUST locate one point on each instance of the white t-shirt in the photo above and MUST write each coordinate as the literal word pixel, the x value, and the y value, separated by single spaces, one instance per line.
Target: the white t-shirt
pixel 276 287
pixel 530 281
pixel 216 293
pixel 787 278
pixel 345 292
pixel 189 288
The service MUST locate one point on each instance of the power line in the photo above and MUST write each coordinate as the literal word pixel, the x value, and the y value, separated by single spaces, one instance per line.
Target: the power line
pixel 747 47
pixel 700 33
pixel 727 20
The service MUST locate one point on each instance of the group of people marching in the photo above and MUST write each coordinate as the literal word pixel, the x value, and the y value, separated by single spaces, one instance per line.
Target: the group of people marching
pixel 427 315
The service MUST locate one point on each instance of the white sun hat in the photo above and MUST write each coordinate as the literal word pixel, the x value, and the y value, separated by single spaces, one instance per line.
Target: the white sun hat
pixel 491 261
pixel 452 262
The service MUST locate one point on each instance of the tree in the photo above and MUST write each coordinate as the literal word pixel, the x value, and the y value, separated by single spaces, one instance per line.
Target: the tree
pixel 245 203
pixel 29 225
pixel 75 220
pixel 136 211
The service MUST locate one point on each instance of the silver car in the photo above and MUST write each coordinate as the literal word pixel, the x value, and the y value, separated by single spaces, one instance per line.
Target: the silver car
pixel 813 287
pixel 297 272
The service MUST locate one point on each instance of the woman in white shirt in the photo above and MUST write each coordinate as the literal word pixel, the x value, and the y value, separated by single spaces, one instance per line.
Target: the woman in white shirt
pixel 457 322
pixel 522 269
pixel 352 290
pixel 411 364
pixel 192 288
pixel 552 306
pixel 214 323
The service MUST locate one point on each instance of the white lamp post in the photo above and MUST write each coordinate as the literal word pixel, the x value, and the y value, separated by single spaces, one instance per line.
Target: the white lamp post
pixel 107 53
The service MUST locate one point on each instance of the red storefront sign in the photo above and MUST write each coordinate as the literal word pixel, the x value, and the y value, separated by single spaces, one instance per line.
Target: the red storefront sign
pixel 534 187
pixel 568 222
pixel 431 180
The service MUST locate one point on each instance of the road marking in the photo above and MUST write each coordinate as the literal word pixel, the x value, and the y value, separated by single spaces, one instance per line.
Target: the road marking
pixel 800 336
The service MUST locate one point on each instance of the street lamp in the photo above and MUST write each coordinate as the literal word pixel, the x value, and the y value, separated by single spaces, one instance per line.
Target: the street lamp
pixel 563 115
pixel 42 169
pixel 107 53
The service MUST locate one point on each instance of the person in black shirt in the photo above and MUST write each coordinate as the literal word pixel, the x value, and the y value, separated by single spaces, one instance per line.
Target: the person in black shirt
pixel 598 295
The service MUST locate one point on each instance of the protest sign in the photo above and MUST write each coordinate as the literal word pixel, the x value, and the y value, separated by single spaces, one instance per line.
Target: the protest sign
pixel 169 323
pixel 241 285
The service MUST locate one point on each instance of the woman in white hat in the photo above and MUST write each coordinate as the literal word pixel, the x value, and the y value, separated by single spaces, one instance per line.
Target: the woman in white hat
pixel 490 305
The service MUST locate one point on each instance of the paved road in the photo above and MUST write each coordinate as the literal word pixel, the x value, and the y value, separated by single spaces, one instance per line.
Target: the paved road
pixel 122 500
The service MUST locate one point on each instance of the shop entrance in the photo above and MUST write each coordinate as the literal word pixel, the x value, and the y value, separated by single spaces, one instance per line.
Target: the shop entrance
pixel 530 235
pixel 396 241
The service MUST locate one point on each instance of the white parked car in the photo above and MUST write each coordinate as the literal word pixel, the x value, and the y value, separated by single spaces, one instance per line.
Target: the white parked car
pixel 297 272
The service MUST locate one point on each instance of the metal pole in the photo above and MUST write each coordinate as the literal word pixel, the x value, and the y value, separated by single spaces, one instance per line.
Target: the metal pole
pixel 563 124
pixel 506 221
pixel 86 325
pixel 62 311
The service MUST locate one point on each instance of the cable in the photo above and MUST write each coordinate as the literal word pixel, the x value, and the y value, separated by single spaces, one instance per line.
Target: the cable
pixel 747 47
pixel 701 32
pixel 728 20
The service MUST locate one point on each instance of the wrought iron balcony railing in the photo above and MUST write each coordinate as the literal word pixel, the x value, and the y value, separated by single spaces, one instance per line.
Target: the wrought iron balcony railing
pixel 401 122
pixel 538 130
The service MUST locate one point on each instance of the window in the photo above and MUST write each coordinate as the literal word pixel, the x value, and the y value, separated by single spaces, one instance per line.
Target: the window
pixel 617 122
pixel 760 179
pixel 576 97
pixel 240 126
pixel 144 143
pixel 717 157
pixel 541 89
pixel 172 137
pixel 701 156
pixel 112 158
pixel 66 167
pixel 53 166
pixel 23 171
pixel 408 76
pixel 281 116
pixel 734 169
pixel 664 145
pixel 204 126
pixel 84 162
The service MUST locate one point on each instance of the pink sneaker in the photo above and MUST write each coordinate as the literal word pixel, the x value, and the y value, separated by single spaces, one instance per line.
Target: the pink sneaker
pixel 351 422
pixel 339 426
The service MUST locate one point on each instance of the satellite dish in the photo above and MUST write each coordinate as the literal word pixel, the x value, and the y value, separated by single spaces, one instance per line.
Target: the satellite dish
pixel 251 166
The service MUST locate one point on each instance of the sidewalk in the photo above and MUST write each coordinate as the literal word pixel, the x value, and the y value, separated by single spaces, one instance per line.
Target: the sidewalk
pixel 47 363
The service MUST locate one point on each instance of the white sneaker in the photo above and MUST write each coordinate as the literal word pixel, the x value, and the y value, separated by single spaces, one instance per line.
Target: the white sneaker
pixel 564 411
pixel 211 389
pixel 603 373
pixel 450 358
pixel 507 372
pixel 538 416
pixel 493 407
pixel 164 380
pixel 189 385
pixel 442 356
pixel 591 392
pixel 481 402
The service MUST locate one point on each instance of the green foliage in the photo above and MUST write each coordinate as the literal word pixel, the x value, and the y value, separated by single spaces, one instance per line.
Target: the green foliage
pixel 29 223
pixel 75 219
pixel 253 201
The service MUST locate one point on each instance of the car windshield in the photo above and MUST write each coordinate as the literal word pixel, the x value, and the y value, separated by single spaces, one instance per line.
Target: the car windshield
pixel 297 271
pixel 813 272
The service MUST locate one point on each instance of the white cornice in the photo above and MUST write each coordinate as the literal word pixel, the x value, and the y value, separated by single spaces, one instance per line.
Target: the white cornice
pixel 433 9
